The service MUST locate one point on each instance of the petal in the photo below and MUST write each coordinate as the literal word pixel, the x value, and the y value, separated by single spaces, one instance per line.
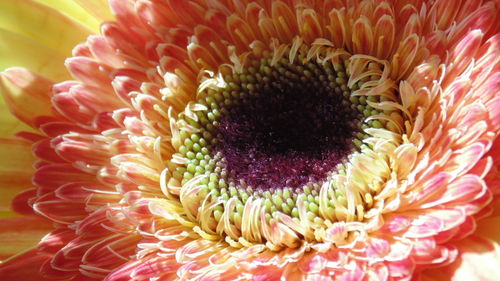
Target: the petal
pixel 25 266
pixel 43 24
pixel 58 210
pixel 9 124
pixel 284 21
pixel 362 36
pixel 489 228
pixel 19 234
pixel 405 54
pixel 494 112
pixel 464 189
pixel 18 50
pixel 109 252
pixel 123 273
pixel 309 25
pixel 463 52
pixel 400 270
pixel 479 257
pixel 98 8
pixel 15 171
pixel 51 176
pixel 480 260
pixel 89 71
pixel 103 51
pixel 55 240
pixel 447 12
pixel 76 12
pixel 384 36
pixel 22 202
pixel 27 94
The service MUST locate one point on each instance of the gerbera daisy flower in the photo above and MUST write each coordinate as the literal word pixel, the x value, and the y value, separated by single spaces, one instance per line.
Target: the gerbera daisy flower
pixel 250 140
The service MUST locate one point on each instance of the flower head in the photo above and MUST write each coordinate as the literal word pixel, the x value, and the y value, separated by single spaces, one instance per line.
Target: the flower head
pixel 259 140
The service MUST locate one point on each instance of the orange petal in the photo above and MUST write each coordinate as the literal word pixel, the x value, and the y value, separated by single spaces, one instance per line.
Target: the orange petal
pixel 405 54
pixel 385 31
pixel 309 25
pixel 202 56
pixel 446 12
pixel 490 228
pixel 338 27
pixel 362 37
pixel 19 234
pixel 240 31
pixel 209 38
pixel 284 21
pixel 187 11
pixel 104 254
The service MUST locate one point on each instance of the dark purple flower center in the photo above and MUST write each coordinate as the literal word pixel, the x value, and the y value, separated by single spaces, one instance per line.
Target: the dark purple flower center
pixel 287 134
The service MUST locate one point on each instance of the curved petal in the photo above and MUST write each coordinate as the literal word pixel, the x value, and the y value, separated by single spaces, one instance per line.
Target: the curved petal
pixel 43 24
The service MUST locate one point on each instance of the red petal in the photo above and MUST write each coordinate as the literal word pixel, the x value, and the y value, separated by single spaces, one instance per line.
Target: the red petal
pixel 24 267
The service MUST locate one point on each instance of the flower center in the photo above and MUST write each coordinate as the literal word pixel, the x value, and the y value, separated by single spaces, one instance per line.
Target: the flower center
pixel 274 137
pixel 288 130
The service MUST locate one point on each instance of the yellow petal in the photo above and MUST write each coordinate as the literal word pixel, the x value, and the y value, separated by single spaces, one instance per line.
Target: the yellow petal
pixel 43 24
pixel 9 124
pixel 73 10
pixel 98 8
pixel 19 50
pixel 27 94
pixel 16 161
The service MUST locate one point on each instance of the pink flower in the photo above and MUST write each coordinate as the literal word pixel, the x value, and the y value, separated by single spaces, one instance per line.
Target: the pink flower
pixel 250 140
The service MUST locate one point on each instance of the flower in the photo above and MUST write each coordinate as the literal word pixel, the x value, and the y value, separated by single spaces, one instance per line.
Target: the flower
pixel 259 140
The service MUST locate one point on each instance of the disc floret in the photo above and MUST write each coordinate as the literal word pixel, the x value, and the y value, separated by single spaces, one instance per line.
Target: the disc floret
pixel 277 138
